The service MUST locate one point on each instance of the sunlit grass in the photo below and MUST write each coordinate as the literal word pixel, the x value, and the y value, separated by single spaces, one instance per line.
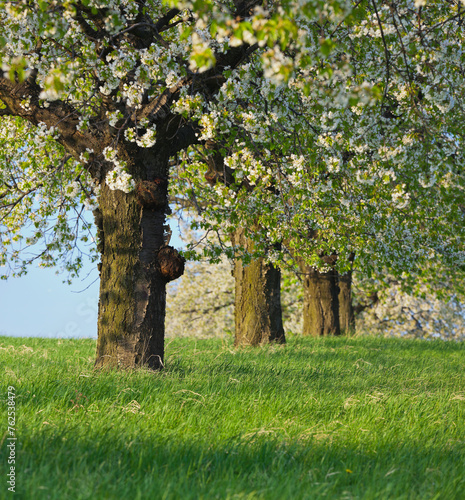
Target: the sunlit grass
pixel 318 418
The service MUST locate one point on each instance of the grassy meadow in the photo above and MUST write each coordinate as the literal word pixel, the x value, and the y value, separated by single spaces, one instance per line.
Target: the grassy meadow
pixel 333 418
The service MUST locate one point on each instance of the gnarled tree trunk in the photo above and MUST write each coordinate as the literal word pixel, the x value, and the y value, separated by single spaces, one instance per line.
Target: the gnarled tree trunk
pixel 135 267
pixel 321 302
pixel 258 315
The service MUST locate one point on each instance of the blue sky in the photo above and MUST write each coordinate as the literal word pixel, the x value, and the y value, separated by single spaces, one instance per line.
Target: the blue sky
pixel 40 304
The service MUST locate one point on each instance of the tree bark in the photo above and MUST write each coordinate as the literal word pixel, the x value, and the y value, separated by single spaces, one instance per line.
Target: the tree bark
pixel 321 302
pixel 346 309
pixel 135 267
pixel 258 314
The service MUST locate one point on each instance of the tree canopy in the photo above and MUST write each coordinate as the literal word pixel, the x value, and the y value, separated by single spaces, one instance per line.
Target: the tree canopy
pixel 326 127
pixel 352 145
pixel 344 117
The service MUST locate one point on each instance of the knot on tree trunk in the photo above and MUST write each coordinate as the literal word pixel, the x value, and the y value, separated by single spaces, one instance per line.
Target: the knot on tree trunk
pixel 171 263
pixel 152 194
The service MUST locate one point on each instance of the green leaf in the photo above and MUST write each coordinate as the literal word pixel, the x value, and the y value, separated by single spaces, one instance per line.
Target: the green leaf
pixel 326 46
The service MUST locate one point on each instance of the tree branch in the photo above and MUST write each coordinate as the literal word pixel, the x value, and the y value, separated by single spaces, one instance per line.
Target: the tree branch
pixel 163 23
pixel 90 32
pixel 6 112
pixel 184 137
pixel 59 114
pixel 208 309
pixel 244 7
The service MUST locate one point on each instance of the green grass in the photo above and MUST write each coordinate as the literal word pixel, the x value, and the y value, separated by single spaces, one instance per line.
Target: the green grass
pixel 344 418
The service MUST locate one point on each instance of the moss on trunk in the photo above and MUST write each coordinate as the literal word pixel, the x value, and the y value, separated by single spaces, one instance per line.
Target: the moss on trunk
pixel 258 314
pixel 321 302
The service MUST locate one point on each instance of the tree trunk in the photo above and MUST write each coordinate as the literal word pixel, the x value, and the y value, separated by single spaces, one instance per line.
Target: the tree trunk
pixel 135 267
pixel 321 302
pixel 258 315
pixel 346 309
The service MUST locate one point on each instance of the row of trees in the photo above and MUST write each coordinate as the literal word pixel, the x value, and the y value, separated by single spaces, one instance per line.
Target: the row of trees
pixel 201 304
pixel 329 133
pixel 250 295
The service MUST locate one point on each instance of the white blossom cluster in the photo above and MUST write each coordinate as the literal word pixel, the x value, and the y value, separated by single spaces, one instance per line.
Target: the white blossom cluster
pixel 380 161
pixel 118 178
pixel 201 303
pixel 42 196
pixel 398 314
pixel 347 128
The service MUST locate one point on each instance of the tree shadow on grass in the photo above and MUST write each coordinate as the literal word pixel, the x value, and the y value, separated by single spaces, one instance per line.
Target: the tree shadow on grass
pixel 70 464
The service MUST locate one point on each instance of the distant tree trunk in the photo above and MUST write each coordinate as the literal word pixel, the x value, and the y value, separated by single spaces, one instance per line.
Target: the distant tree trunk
pixel 258 314
pixel 321 302
pixel 346 309
pixel 135 267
